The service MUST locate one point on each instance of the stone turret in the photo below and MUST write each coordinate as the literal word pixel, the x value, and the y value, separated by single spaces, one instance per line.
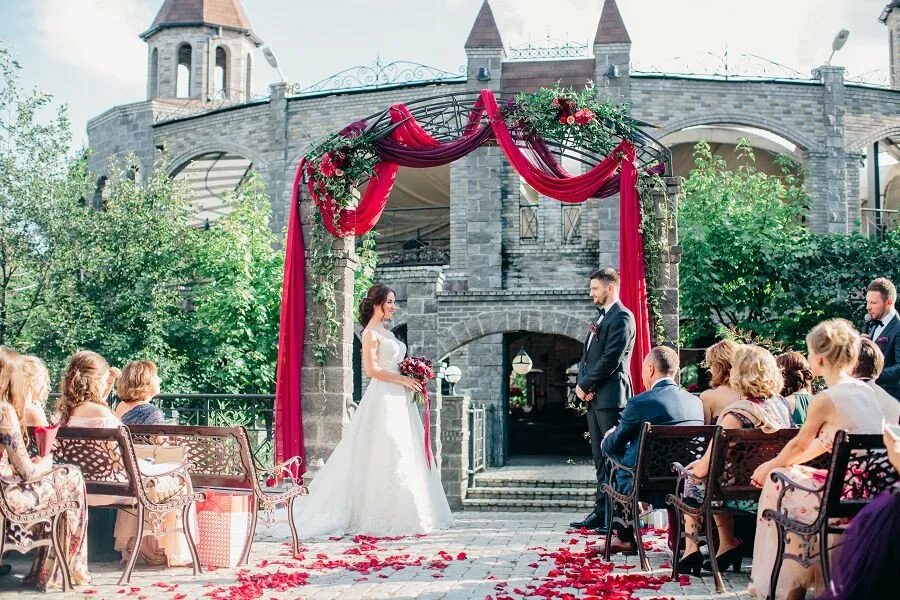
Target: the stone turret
pixel 890 16
pixel 612 53
pixel 485 51
pixel 200 49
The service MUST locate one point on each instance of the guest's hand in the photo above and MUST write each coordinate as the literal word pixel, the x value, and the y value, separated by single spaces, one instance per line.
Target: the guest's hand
pixel 42 464
pixel 761 473
pixel 698 468
pixel 608 431
pixel 579 392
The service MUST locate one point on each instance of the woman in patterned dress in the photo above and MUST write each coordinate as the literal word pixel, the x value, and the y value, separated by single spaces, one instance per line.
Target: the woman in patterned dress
pixel 847 404
pixel 59 486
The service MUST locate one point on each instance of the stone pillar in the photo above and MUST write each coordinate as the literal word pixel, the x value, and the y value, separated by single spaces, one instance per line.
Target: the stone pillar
pixel 328 391
pixel 854 198
pixel 665 288
pixel 455 448
pixel 891 17
pixel 828 166
pixel 483 382
pixel 276 172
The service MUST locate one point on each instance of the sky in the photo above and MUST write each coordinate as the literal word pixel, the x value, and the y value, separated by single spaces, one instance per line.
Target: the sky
pixel 88 55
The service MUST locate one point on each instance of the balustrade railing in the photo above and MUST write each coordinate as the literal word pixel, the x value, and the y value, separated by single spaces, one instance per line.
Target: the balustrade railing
pixel 876 222
pixel 477 441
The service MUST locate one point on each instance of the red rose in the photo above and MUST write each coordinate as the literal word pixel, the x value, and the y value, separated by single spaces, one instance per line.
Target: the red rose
pixel 326 167
pixel 563 120
pixel 570 120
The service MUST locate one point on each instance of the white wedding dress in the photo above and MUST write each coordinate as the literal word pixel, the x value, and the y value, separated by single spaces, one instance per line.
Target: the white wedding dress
pixel 377 481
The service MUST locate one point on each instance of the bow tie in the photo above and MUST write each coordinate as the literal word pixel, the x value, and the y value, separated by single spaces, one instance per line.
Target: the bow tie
pixel 875 324
pixel 602 312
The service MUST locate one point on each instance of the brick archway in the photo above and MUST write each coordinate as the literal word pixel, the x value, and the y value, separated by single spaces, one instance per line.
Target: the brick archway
pixel 802 141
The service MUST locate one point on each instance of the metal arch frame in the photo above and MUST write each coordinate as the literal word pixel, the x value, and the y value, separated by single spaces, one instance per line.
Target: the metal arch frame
pixel 446 116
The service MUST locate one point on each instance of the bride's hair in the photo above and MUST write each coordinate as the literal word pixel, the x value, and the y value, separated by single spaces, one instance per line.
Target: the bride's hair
pixel 376 296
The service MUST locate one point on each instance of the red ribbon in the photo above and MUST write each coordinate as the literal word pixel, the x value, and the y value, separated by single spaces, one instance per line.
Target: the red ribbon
pixel 429 457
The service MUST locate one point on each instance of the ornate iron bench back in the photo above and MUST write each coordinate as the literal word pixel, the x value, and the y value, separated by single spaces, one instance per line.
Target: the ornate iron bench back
pixel 661 445
pixel 860 470
pixel 105 457
pixel 736 453
pixel 219 457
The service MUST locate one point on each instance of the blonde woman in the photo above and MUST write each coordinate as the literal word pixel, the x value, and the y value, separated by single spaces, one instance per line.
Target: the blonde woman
pixel 37 389
pixel 137 386
pixel 63 485
pixel 85 386
pixel 718 360
pixel 757 379
pixel 848 404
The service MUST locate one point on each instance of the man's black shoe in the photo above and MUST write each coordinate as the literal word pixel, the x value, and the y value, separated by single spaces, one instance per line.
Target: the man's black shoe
pixel 600 531
pixel 592 521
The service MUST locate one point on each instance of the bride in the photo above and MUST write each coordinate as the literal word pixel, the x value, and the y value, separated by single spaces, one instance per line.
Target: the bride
pixel 377 481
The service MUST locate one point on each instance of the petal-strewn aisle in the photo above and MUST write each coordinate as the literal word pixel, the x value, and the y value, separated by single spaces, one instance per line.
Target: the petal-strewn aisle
pixel 496 555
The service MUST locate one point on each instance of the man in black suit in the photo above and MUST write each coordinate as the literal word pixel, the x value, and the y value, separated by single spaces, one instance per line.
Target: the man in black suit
pixel 884 329
pixel 604 379
pixel 664 403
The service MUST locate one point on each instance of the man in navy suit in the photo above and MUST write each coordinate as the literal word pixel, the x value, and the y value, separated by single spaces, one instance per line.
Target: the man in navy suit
pixel 664 403
pixel 883 329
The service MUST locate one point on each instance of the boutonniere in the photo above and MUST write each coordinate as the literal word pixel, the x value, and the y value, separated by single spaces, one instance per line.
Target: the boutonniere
pixel 882 340
pixel 595 329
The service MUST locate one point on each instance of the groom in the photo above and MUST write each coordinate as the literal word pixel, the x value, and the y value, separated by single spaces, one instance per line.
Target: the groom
pixel 604 379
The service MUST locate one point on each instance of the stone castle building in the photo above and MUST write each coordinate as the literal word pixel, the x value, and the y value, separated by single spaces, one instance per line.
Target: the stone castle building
pixel 482 266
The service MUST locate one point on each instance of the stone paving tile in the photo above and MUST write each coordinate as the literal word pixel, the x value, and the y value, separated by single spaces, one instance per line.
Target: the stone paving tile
pixel 496 547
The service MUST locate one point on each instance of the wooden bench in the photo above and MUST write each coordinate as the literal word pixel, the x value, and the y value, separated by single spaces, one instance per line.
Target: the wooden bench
pixel 220 459
pixel 858 472
pixel 735 455
pixel 42 526
pixel 109 466
pixel 658 447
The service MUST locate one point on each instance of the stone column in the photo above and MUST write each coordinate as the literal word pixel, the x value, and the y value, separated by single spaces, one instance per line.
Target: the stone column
pixel 828 166
pixel 665 207
pixel 854 199
pixel 455 448
pixel 276 172
pixel 483 382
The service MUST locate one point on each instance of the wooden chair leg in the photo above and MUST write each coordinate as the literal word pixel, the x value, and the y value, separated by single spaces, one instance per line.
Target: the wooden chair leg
pixel 711 546
pixel 295 536
pixel 139 538
pixel 58 529
pixel 779 560
pixel 823 553
pixel 192 546
pixel 251 531
pixel 638 538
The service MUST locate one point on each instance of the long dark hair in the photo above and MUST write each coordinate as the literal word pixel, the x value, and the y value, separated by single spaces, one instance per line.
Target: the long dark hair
pixel 376 296
pixel 795 369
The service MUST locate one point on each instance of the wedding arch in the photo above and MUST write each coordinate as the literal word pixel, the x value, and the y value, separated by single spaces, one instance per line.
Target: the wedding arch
pixel 533 130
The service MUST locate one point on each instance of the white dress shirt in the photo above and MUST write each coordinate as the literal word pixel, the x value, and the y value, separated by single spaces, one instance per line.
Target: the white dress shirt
pixel 892 314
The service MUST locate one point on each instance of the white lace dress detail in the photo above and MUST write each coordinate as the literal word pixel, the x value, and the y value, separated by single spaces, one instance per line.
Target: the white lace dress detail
pixel 376 481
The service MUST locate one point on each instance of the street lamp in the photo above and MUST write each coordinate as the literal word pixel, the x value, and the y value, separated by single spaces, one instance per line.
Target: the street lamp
pixel 452 374
pixel 839 40
pixel 522 363
pixel 273 62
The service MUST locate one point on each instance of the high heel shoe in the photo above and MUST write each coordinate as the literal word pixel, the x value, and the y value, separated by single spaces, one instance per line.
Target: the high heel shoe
pixel 691 563
pixel 731 558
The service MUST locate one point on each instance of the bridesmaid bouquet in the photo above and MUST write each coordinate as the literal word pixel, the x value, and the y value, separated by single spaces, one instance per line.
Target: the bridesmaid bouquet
pixel 422 370
pixel 418 368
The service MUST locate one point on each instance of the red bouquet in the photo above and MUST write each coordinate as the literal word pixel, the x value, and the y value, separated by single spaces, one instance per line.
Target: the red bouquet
pixel 421 370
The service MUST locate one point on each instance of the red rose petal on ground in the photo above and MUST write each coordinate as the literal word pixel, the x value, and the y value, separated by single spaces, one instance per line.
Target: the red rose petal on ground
pixel 533 565
pixel 461 556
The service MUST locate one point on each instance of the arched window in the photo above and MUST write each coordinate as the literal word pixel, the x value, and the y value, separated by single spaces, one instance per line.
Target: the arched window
pixel 183 76
pixel 247 79
pixel 154 73
pixel 220 75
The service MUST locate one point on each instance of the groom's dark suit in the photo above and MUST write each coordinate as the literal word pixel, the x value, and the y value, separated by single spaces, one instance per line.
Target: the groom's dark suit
pixel 604 372
pixel 888 341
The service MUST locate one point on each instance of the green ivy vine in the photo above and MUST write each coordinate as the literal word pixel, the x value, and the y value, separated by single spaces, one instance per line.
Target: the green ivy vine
pixel 656 220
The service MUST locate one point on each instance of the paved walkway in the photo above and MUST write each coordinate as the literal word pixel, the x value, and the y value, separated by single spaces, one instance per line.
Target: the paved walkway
pixel 488 555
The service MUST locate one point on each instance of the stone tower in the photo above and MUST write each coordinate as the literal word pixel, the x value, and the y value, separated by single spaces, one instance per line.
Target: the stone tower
pixel 200 49
pixel 891 17
pixel 612 53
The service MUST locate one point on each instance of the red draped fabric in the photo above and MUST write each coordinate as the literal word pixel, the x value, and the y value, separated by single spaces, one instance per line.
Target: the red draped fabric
pixel 411 145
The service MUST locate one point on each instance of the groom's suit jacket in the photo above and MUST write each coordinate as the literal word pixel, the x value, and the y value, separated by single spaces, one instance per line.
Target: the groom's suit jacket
pixel 889 343
pixel 604 368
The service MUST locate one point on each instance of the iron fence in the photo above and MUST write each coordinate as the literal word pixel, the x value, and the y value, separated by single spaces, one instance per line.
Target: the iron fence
pixel 477 440
pixel 876 222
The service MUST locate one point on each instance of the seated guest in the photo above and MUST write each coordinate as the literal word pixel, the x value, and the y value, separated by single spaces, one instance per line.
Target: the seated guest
pixel 721 395
pixel 848 404
pixel 756 377
pixel 137 386
pixel 85 386
pixel 798 378
pixel 61 486
pixel 868 368
pixel 37 390
pixel 883 329
pixel 867 560
pixel 664 403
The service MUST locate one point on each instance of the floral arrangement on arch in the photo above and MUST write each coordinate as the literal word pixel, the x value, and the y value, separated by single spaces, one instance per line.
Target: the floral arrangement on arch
pixel 337 167
pixel 570 117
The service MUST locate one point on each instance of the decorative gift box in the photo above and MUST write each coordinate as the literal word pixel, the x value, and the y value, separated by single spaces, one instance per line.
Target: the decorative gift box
pixel 224 520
